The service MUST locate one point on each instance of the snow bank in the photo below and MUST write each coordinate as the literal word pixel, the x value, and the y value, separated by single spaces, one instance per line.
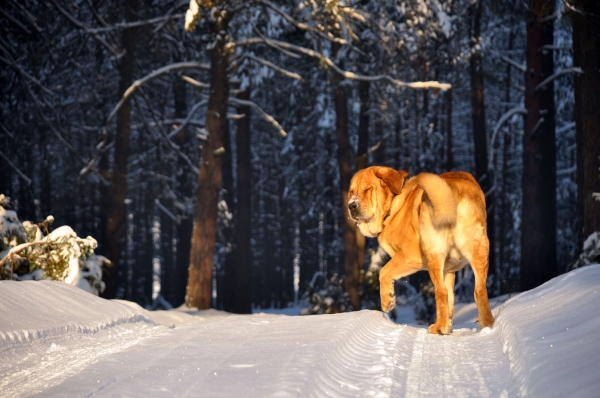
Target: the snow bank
pixel 53 311
pixel 32 310
pixel 549 335
pixel 56 340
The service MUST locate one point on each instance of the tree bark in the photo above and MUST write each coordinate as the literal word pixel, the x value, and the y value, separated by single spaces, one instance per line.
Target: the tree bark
pixel 225 282
pixel 538 234
pixel 116 223
pixel 240 275
pixel 184 230
pixel 449 154
pixel 362 159
pixel 482 173
pixel 505 213
pixel 586 42
pixel 199 288
pixel 344 155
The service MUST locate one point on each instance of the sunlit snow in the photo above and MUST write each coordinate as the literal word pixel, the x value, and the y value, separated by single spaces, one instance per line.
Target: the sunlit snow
pixel 57 340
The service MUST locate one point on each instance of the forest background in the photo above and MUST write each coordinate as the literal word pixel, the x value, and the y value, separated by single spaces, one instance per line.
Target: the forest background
pixel 216 160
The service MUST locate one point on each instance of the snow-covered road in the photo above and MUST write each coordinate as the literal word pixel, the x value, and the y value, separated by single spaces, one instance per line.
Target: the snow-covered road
pixel 56 340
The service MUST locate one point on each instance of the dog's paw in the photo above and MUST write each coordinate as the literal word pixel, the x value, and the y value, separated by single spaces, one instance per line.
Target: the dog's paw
pixel 388 303
pixel 437 328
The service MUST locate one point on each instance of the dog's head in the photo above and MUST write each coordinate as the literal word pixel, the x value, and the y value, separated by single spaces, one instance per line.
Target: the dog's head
pixel 370 197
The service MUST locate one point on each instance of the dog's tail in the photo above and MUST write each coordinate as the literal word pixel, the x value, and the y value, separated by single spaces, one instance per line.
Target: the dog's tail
pixel 442 200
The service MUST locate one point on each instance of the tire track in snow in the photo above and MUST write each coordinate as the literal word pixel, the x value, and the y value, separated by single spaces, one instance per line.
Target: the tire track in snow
pixel 415 369
pixel 465 364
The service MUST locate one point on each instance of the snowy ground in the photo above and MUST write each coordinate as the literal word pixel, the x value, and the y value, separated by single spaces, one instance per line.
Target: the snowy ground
pixel 57 340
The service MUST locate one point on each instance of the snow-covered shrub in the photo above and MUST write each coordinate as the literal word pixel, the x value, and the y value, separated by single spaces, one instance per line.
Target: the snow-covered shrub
pixel 325 296
pixel 89 277
pixel 371 297
pixel 11 230
pixel 590 253
pixel 424 304
pixel 29 251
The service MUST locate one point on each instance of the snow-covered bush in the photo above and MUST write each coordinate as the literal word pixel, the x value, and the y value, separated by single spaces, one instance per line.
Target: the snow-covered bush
pixel 29 251
pixel 89 277
pixel 325 296
pixel 590 253
pixel 371 297
pixel 424 304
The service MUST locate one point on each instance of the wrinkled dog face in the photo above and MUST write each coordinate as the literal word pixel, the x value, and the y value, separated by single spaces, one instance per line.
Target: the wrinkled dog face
pixel 370 197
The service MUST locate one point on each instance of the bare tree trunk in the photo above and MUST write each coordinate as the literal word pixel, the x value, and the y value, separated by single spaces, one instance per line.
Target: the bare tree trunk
pixel 586 42
pixel 240 275
pixel 184 230
pixel 505 214
pixel 351 266
pixel 199 290
pixel 538 234
pixel 225 282
pixel 449 154
pixel 362 158
pixel 482 173
pixel 116 223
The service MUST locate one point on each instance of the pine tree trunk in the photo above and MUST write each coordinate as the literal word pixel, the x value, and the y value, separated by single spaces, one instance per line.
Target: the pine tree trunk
pixel 184 180
pixel 538 233
pixel 505 213
pixel 586 45
pixel 482 173
pixel 240 275
pixel 199 289
pixel 225 282
pixel 449 154
pixel 351 266
pixel 362 158
pixel 116 223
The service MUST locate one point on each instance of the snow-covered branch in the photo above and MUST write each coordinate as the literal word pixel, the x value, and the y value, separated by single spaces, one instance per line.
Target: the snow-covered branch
pixel 170 143
pixel 153 75
pixel 258 109
pixel 176 121
pixel 269 64
pixel 346 74
pixel 101 147
pixel 514 111
pixel 195 82
pixel 18 249
pixel 166 211
pixel 125 25
pixel 557 74
pixel 301 25
pixel 444 20
pixel 520 67
pixel 188 118
pixel 273 45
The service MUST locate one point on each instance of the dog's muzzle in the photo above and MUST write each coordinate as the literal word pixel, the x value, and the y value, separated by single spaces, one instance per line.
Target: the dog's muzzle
pixel 354 210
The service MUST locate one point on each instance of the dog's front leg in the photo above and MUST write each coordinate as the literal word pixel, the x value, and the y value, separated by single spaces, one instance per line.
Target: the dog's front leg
pixel 393 270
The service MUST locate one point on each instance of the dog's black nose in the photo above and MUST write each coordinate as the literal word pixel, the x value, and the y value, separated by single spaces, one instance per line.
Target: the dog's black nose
pixel 353 206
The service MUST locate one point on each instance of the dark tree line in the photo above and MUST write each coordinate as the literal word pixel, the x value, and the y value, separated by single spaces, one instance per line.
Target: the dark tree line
pixel 218 159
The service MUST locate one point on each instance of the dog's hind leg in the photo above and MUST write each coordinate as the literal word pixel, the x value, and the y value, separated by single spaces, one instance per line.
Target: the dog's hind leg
pixel 443 324
pixel 449 283
pixel 479 263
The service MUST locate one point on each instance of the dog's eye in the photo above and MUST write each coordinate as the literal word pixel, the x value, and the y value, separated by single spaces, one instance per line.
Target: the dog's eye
pixel 367 189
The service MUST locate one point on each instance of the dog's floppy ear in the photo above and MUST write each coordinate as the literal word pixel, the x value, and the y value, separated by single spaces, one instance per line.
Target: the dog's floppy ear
pixel 394 179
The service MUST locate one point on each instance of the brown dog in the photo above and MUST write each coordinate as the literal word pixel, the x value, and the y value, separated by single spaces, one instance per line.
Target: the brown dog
pixel 428 222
